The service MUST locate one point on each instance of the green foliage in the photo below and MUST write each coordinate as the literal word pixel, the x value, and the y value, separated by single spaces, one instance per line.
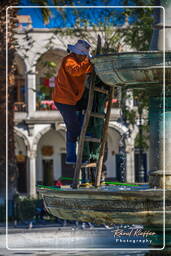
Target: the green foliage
pixel 139 34
pixel 141 96
pixel 83 26
pixel 142 141
pixel 25 208
pixel 141 100
pixel 50 67
pixel 46 12
pixel 130 116
pixel 78 22
pixel 46 91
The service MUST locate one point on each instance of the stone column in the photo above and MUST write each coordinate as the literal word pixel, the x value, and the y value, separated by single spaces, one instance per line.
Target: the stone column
pixel 130 154
pixel 130 166
pixel 31 174
pixel 157 136
pixel 31 94
pixel 165 141
pixel 160 137
pixel 154 113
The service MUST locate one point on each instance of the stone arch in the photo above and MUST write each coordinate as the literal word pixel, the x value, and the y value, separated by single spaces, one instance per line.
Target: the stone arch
pixel 120 128
pixel 114 134
pixel 39 135
pixel 19 58
pixel 19 133
pixel 53 140
pixel 20 83
pixel 22 146
pixel 43 71
pixel 44 131
pixel 56 52
pixel 60 127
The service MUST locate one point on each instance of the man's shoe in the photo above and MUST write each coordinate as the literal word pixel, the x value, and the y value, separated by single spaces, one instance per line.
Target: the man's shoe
pixel 85 185
pixel 102 183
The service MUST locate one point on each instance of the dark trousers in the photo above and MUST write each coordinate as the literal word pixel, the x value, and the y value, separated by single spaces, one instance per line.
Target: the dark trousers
pixel 73 120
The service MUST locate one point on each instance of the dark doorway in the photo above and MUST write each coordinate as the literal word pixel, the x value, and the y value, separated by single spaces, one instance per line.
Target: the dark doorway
pixel 48 179
pixel 22 177
pixel 137 160
pixel 120 167
pixel 67 171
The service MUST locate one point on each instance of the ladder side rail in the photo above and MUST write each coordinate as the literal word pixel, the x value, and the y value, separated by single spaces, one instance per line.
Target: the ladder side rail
pixel 83 131
pixel 104 139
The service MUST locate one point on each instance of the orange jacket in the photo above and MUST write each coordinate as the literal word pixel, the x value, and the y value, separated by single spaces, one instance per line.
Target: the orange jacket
pixel 69 86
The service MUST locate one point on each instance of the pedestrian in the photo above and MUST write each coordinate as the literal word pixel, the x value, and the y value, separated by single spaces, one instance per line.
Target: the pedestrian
pixel 69 89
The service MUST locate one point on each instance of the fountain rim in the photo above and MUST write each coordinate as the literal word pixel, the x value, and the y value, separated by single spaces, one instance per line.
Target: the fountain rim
pixel 96 192
pixel 147 68
pixel 130 53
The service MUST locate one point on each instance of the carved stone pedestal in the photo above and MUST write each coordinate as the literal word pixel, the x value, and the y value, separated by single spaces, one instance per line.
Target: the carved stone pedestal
pixel 158 179
pixel 160 142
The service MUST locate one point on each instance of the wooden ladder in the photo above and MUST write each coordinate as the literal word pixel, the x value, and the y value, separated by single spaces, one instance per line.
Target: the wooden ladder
pixel 83 138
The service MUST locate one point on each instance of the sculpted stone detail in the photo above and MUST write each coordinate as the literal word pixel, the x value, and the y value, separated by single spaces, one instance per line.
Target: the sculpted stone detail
pixel 106 205
pixel 138 207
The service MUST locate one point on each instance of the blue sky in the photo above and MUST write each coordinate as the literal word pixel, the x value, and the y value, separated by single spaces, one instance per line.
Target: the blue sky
pixel 56 21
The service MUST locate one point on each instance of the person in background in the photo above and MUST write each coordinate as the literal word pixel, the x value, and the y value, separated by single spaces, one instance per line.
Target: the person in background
pixel 69 89
pixel 58 183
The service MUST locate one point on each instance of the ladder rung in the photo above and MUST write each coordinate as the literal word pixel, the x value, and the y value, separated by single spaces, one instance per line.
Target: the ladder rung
pixel 101 90
pixel 98 115
pixel 92 139
pixel 89 165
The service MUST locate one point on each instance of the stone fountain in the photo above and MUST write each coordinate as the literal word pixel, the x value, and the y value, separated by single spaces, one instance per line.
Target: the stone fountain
pixel 143 204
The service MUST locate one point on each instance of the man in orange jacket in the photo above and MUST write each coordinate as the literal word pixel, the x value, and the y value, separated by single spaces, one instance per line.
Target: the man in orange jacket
pixel 68 91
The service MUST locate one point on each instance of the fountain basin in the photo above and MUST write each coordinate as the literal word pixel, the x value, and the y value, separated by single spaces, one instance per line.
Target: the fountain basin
pixel 108 207
pixel 134 206
pixel 133 69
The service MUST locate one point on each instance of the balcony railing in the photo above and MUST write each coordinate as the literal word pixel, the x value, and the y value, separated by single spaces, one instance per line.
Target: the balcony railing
pixel 45 105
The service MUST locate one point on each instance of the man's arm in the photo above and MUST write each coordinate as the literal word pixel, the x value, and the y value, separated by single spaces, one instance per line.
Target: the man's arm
pixel 78 69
